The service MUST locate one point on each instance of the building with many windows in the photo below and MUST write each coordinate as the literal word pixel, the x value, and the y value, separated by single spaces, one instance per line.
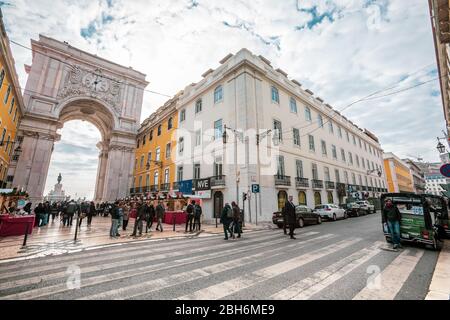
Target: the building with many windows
pixel 434 180
pixel 154 169
pixel 418 176
pixel 398 174
pixel 288 141
pixel 11 107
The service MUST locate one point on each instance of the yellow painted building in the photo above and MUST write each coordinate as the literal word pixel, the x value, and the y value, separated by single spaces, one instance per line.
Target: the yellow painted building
pixel 11 104
pixel 398 174
pixel 154 169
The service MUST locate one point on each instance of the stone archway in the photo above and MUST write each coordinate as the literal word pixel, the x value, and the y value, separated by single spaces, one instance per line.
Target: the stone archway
pixel 65 83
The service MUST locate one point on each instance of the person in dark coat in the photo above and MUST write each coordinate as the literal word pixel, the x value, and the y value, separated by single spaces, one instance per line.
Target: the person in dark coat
pixel 115 215
pixel 236 219
pixel 39 211
pixel 290 216
pixel 197 217
pixel 140 218
pixel 160 210
pixel 392 217
pixel 150 217
pixel 190 216
pixel 225 218
pixel 90 213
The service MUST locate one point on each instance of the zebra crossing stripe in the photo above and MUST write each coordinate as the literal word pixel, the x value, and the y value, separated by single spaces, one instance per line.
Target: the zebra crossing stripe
pixel 308 287
pixel 158 284
pixel 47 268
pixel 231 286
pixel 45 291
pixel 388 283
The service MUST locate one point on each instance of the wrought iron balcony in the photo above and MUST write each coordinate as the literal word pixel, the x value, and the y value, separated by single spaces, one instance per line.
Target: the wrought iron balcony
pixel 329 185
pixel 164 187
pixel 154 188
pixel 138 190
pixel 132 191
pixel 218 181
pixel 301 182
pixel 281 180
pixel 317 184
pixel 364 188
pixel 358 188
pixel 175 185
pixel 370 188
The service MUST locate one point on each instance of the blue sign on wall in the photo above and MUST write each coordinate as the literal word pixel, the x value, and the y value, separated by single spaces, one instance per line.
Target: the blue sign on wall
pixel 445 170
pixel 185 187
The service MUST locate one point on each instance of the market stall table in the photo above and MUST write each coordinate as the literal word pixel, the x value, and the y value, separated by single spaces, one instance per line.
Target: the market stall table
pixel 180 217
pixel 15 226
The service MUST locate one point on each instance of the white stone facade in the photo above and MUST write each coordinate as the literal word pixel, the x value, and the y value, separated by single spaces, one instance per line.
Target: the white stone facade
pixel 65 83
pixel 246 104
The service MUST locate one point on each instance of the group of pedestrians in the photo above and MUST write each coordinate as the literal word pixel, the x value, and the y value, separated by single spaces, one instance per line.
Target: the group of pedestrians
pixel 145 212
pixel 231 220
pixel 193 218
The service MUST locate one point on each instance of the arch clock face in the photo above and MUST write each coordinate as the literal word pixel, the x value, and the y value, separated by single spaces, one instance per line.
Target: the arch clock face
pixel 96 83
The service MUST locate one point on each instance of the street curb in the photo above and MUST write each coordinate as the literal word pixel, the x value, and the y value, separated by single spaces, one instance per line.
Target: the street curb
pixel 440 283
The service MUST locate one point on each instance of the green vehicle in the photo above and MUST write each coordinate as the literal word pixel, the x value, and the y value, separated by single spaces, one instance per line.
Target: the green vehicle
pixel 422 217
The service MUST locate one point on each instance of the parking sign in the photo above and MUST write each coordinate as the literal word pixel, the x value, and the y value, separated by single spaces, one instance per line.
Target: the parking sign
pixel 255 188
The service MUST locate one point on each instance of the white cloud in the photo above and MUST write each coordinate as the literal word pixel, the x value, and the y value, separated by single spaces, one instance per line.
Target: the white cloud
pixel 356 48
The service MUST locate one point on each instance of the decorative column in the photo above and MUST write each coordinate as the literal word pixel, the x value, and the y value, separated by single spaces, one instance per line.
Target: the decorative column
pixel 100 182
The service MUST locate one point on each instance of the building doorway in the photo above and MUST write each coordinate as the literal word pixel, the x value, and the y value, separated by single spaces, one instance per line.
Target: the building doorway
pixel 317 199
pixel 302 198
pixel 218 204
pixel 282 198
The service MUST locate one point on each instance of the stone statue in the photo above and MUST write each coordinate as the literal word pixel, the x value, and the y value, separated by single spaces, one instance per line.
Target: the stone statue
pixel 59 178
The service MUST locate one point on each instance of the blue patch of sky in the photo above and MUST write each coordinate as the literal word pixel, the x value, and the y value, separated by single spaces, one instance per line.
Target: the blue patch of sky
pixel 316 18
pixel 89 31
pixel 273 40
pixel 4 3
pixel 435 93
pixel 192 4
pixel 110 3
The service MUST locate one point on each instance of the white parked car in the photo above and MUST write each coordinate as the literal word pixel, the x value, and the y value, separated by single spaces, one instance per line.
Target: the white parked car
pixel 366 206
pixel 330 211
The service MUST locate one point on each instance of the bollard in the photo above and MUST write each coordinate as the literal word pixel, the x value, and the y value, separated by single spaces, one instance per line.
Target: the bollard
pixel 76 229
pixel 174 215
pixel 26 237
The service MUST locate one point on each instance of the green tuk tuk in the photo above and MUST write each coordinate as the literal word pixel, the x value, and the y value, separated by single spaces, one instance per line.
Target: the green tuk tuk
pixel 422 217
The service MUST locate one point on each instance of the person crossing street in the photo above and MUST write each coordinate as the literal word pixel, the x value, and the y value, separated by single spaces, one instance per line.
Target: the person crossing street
pixel 290 217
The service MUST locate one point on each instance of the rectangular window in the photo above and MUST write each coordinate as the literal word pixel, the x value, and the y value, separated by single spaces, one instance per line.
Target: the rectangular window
pixel 198 137
pixel 149 156
pixel 360 144
pixel 11 107
pixel 311 143
pixel 168 150
pixel 140 181
pixel 357 160
pixel 159 130
pixel 182 115
pixel 15 115
pixel 326 171
pixel 324 147
pixel 275 95
pixel 299 168
pixel 348 137
pixel 353 179
pixel 368 164
pixel 198 106
pixel 365 146
pixel 278 132
pixel 350 158
pixel 333 151
pixel 218 129
pixel 280 166
pixel 8 92
pixel 218 94
pixel 354 140
pixel 308 114
pixel 343 155
pixel 158 154
pixel 147 180
pixel 181 145
pixel 315 172
pixel 336 173
pixel 156 178
pixel 218 167
pixel 143 139
pixel 340 132
pixel 330 126
pixel 151 136
pixel 196 170
pixel 360 179
pixel 320 120
pixel 363 163
pixel 293 105
pixel 296 134
pixel 166 176
pixel 180 173
pixel 346 177
pixel 142 161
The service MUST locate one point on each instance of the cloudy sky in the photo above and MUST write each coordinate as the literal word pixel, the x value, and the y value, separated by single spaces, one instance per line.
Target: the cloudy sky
pixel 341 49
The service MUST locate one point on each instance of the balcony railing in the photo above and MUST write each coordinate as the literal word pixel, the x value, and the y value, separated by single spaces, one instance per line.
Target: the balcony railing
pixel 358 188
pixel 175 185
pixel 329 185
pixel 301 182
pixel 281 180
pixel 317 184
pixel 364 188
pixel 132 191
pixel 164 187
pixel 370 188
pixel 138 190
pixel 154 188
pixel 217 181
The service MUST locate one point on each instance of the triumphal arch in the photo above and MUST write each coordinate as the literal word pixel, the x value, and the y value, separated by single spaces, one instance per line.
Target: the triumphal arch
pixel 65 83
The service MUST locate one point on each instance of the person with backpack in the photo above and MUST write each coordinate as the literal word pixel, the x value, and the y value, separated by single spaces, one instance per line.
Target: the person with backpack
pixel 226 218
pixel 160 210
pixel 150 217
pixel 190 216
pixel 72 208
pixel 197 217
pixel 236 219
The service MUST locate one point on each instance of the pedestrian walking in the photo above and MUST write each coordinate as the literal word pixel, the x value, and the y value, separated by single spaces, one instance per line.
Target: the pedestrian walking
pixel 39 212
pixel 91 213
pixel 289 213
pixel 226 218
pixel 160 210
pixel 54 211
pixel 126 216
pixel 151 217
pixel 197 216
pixel 391 218
pixel 236 220
pixel 113 232
pixel 72 208
pixel 190 216
pixel 140 218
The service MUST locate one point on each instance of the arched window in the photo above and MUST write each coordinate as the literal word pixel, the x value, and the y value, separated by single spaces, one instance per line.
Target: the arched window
pixel 218 94
pixel 330 197
pixel 275 95
pixel 317 198
pixel 282 198
pixel 302 198
pixel 169 123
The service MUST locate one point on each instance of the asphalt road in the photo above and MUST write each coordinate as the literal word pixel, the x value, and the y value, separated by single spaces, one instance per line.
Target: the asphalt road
pixel 345 259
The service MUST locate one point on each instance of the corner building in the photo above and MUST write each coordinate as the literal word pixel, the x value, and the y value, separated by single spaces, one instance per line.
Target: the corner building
pixel 315 154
